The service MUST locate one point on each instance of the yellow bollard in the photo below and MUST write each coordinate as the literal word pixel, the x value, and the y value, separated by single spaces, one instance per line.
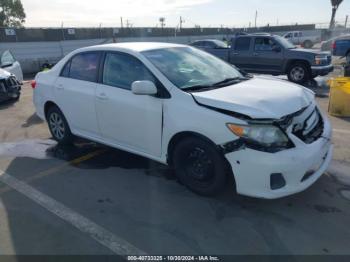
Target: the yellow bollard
pixel 339 99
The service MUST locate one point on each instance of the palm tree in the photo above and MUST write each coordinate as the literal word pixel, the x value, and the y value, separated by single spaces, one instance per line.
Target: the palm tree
pixel 335 6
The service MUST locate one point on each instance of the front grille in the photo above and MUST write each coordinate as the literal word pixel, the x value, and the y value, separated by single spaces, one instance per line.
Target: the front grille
pixel 9 88
pixel 329 59
pixel 9 85
pixel 310 129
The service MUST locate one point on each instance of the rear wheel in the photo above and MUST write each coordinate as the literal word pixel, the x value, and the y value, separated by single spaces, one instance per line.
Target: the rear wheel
pixel 308 44
pixel 199 166
pixel 58 126
pixel 298 73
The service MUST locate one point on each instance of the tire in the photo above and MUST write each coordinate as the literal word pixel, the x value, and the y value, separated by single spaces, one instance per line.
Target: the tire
pixel 308 44
pixel 58 126
pixel 348 58
pixel 299 73
pixel 199 166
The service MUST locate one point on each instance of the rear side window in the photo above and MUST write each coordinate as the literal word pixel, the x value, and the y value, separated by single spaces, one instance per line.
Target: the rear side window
pixel 197 44
pixel 7 58
pixel 121 70
pixel 84 67
pixel 65 70
pixel 242 44
pixel 209 44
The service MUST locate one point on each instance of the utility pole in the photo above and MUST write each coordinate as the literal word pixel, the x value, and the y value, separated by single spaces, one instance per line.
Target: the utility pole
pixel 335 6
pixel 63 37
pixel 346 21
pixel 162 22
pixel 256 17
pixel 121 22
pixel 181 22
pixel 100 30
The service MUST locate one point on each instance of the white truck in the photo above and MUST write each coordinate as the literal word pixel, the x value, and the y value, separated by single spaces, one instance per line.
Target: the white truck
pixel 299 38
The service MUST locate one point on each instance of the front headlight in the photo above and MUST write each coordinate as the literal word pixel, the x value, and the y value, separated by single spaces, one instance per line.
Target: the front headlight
pixel 264 135
pixel 320 59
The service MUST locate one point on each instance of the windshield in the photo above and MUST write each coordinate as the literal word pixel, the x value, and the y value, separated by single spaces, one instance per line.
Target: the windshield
pixel 186 66
pixel 284 42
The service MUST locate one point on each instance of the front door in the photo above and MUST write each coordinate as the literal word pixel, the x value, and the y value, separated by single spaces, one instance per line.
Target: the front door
pixel 128 120
pixel 267 59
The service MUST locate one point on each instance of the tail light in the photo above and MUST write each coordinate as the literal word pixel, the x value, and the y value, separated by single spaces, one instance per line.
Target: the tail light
pixel 33 84
pixel 334 45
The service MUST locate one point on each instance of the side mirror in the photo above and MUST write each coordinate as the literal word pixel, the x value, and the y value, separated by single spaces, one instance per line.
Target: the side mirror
pixel 144 88
pixel 276 48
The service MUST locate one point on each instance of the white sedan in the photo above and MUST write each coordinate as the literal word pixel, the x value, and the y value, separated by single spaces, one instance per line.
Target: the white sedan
pixel 11 65
pixel 186 108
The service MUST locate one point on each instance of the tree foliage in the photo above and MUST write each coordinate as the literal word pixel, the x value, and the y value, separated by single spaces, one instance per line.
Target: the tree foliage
pixel 335 5
pixel 11 13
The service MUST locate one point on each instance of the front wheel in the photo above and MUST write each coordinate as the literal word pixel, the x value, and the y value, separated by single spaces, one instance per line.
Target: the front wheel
pixel 58 126
pixel 200 166
pixel 298 73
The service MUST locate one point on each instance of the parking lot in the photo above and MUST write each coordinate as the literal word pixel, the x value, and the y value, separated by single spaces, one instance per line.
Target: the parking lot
pixel 91 199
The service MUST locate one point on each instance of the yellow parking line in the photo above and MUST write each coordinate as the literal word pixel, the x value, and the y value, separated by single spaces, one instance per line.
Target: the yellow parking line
pixel 55 169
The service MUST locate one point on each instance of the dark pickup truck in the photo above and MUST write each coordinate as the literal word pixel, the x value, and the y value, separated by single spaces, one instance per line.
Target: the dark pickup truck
pixel 341 47
pixel 271 54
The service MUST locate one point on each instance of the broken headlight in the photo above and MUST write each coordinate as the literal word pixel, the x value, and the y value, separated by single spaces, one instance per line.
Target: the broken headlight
pixel 267 136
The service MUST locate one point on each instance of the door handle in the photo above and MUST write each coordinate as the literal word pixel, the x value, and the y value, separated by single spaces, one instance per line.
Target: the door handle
pixel 255 54
pixel 60 87
pixel 235 53
pixel 102 96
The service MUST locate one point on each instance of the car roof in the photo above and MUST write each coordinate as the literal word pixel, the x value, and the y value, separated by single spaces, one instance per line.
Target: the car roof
pixel 130 46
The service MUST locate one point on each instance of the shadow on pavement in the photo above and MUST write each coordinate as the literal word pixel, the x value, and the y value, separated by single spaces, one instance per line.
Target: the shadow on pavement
pixel 32 120
pixel 7 104
pixel 132 199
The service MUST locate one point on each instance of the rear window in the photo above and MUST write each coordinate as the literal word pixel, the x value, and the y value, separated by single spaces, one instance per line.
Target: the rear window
pixel 242 44
pixel 84 67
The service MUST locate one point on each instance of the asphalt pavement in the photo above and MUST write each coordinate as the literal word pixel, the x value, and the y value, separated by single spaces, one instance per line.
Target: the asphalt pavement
pixel 92 199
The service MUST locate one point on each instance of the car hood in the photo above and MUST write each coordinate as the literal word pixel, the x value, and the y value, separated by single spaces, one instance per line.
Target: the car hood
pixel 310 51
pixel 259 98
pixel 4 74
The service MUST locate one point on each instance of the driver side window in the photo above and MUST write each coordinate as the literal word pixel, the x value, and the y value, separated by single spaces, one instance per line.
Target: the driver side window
pixel 121 70
pixel 263 44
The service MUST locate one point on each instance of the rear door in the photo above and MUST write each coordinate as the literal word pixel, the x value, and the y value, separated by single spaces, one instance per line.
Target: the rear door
pixel 75 92
pixel 9 63
pixel 241 54
pixel 266 58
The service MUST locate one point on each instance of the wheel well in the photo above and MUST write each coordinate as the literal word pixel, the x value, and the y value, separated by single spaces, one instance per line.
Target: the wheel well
pixel 181 136
pixel 47 106
pixel 295 61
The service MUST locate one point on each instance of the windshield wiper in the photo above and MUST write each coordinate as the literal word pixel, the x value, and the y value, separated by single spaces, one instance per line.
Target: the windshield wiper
pixel 230 80
pixel 225 82
pixel 199 88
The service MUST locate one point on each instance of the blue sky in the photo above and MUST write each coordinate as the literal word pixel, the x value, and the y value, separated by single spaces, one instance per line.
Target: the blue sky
pixel 231 13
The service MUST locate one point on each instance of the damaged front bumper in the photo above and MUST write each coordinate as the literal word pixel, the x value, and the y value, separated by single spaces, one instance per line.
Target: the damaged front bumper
pixel 274 175
pixel 9 89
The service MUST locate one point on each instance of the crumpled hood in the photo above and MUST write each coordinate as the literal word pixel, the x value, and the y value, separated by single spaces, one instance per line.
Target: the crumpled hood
pixel 259 98
pixel 4 74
